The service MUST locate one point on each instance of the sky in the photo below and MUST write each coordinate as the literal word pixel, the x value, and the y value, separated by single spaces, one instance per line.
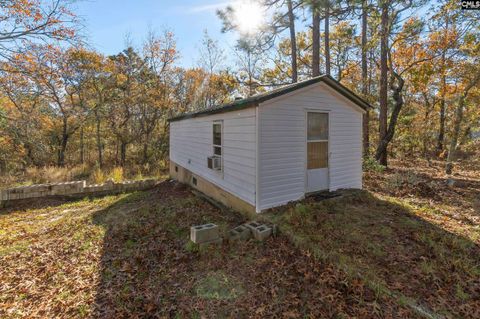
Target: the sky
pixel 108 21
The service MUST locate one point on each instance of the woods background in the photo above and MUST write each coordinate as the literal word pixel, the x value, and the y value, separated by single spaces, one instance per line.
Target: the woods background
pixel 64 104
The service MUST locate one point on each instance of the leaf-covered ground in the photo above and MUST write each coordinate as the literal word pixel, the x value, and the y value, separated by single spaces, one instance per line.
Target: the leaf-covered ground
pixel 128 256
pixel 414 235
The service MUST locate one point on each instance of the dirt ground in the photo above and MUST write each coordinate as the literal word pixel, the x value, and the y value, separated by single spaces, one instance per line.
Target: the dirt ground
pixel 129 257
pixel 409 244
pixel 413 233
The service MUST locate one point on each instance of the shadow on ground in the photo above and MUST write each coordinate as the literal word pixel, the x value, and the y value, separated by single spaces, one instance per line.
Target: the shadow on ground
pixel 128 256
pixel 148 268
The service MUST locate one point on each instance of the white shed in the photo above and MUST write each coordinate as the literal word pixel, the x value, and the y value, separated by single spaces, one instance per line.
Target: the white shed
pixel 270 149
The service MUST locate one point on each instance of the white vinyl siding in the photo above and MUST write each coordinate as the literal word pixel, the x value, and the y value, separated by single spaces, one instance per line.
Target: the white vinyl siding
pixel 282 154
pixel 191 144
pixel 282 130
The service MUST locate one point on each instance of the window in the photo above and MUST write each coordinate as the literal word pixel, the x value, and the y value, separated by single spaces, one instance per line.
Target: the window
pixel 217 138
pixel 215 162
pixel 317 140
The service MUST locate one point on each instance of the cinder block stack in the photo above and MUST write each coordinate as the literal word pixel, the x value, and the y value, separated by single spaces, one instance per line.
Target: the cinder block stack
pixel 259 231
pixel 205 234
pixel 239 233
pixel 209 233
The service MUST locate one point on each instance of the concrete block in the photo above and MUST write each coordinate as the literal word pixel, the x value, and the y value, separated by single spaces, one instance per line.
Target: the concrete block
pixel 72 188
pixel 259 231
pixel 56 190
pixel 79 186
pixel 262 232
pixel 204 233
pixel 15 191
pixel 13 196
pixel 239 233
pixel 35 192
pixel 252 225
pixel 41 188
pixel 89 189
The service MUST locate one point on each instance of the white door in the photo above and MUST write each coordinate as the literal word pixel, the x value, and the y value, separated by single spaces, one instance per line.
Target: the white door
pixel 317 152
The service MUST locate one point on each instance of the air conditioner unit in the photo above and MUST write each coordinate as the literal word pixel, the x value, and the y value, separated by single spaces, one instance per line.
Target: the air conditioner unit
pixel 215 163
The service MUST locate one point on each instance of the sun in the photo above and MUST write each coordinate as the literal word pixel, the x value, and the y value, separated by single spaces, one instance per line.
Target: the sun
pixel 249 16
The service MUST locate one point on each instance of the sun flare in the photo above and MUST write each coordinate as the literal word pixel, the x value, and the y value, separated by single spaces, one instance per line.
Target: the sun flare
pixel 249 16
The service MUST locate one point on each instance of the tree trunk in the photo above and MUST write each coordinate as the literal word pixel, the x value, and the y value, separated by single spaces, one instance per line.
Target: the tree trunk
pixel 250 75
pixel 30 157
pixel 145 153
pixel 381 154
pixel 117 146
pixel 466 136
pixel 99 141
pixel 443 108
pixel 293 41
pixel 123 153
pixel 456 133
pixel 426 116
pixel 365 89
pixel 63 145
pixel 315 41
pixel 443 89
pixel 82 146
pixel 61 150
pixel 387 138
pixel 327 39
pixel 3 166
pixel 145 149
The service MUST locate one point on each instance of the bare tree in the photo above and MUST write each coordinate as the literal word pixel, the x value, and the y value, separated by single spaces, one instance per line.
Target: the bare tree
pixel 249 60
pixel 24 22
pixel 211 54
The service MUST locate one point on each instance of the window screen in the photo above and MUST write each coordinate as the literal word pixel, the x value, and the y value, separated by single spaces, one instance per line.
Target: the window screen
pixel 317 140
pixel 317 126
pixel 217 134
pixel 217 138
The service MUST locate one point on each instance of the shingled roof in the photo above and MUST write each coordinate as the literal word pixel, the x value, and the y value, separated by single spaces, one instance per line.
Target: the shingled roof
pixel 259 98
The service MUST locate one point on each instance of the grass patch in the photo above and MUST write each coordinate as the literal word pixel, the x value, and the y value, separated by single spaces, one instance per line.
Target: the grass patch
pixel 218 286
pixel 390 245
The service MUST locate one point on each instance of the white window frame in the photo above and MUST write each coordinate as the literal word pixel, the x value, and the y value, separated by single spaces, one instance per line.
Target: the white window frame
pixel 214 146
pixel 307 111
